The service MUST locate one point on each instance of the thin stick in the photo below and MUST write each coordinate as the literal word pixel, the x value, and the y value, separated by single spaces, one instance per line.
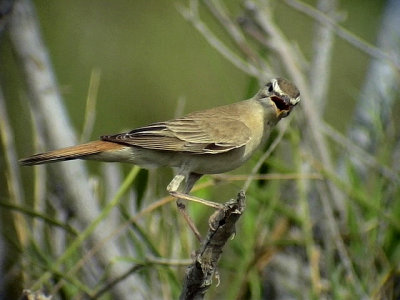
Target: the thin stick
pixel 196 199
pixel 345 34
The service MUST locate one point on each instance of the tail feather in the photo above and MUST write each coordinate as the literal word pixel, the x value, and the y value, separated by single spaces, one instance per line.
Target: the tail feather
pixel 74 152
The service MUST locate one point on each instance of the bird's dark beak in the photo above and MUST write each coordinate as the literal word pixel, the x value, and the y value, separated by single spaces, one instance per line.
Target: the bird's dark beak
pixel 283 105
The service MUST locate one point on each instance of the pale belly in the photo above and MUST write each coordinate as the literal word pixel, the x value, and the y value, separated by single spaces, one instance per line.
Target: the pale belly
pixel 196 163
pixel 212 163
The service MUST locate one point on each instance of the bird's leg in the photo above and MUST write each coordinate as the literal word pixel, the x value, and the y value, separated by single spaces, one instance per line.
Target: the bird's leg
pixel 172 189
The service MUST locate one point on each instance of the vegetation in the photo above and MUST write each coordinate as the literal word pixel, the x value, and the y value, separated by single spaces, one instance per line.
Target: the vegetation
pixel 322 217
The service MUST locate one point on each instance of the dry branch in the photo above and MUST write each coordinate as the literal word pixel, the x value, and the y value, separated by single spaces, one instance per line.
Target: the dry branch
pixel 222 227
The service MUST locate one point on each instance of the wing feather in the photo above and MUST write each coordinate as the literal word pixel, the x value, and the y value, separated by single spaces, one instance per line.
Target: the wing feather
pixel 194 134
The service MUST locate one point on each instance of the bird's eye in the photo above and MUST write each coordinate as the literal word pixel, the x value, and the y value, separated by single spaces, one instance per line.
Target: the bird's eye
pixel 270 88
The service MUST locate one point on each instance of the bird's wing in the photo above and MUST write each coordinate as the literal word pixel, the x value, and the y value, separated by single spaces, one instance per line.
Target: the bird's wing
pixel 197 134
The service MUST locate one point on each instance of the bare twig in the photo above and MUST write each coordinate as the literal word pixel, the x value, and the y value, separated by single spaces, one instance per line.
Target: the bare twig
pixel 222 227
pixel 219 11
pixel 346 35
pixel 90 112
pixel 323 46
pixel 269 176
pixel 192 16
pixel 168 261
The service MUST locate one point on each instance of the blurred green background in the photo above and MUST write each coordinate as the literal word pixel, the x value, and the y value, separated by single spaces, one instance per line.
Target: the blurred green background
pixel 152 60
pixel 150 57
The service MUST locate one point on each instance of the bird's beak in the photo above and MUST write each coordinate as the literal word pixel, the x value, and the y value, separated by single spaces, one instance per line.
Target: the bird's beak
pixel 283 105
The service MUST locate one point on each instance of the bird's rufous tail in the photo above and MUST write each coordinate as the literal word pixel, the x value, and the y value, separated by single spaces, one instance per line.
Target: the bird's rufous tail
pixel 74 152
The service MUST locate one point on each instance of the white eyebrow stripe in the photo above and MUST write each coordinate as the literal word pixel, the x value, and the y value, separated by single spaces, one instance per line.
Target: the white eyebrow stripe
pixel 276 87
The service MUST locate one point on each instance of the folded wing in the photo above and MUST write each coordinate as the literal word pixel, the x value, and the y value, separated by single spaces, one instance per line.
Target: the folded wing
pixel 195 134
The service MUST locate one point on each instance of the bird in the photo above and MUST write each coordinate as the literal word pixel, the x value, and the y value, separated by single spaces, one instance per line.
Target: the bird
pixel 210 141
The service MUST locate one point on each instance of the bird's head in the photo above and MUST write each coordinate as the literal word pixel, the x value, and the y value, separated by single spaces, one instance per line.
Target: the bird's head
pixel 281 94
